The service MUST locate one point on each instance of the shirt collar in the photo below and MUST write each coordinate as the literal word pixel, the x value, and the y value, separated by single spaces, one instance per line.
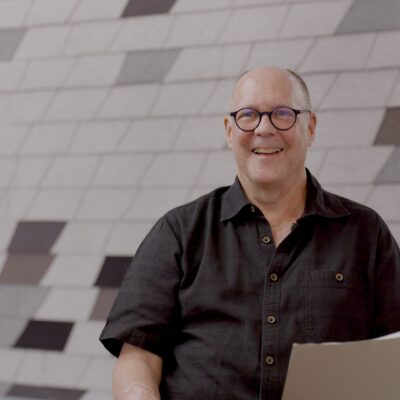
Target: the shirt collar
pixel 318 201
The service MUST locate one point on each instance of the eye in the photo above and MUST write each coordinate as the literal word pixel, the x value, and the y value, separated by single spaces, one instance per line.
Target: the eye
pixel 283 112
pixel 247 113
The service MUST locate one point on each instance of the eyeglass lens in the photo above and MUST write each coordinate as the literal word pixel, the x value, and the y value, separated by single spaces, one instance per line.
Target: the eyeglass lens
pixel 282 118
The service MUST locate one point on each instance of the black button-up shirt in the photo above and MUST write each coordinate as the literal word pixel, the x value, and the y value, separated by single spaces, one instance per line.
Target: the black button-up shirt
pixel 209 291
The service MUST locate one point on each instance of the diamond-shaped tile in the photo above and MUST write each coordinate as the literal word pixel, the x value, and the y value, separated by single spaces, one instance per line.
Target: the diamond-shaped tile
pixel 113 271
pixel 389 130
pixel 146 7
pixel 391 171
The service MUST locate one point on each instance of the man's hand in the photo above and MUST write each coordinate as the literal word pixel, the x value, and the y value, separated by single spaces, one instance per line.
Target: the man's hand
pixel 137 374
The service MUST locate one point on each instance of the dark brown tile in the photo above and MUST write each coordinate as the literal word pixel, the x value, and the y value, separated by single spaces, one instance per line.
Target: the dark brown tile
pixel 103 305
pixel 45 335
pixel 113 271
pixel 25 268
pixel 146 7
pixel 35 236
pixel 389 131
pixel 43 392
pixel 391 171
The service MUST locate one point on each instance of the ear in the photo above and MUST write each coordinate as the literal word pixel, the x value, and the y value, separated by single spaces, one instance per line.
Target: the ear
pixel 228 130
pixel 311 128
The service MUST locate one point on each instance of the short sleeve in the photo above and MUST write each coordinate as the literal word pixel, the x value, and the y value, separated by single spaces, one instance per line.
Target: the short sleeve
pixel 386 294
pixel 146 309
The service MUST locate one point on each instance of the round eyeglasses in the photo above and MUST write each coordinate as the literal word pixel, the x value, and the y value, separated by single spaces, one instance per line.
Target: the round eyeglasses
pixel 282 118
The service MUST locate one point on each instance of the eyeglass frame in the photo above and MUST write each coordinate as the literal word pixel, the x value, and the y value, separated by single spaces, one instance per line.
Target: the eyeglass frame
pixel 269 113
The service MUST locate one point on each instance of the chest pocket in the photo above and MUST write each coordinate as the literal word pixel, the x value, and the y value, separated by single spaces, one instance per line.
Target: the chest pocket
pixel 335 306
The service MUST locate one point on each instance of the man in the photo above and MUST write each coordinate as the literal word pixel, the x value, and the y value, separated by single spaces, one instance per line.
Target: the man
pixel 221 287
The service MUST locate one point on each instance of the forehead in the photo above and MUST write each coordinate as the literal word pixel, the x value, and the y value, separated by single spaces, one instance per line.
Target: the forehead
pixel 263 90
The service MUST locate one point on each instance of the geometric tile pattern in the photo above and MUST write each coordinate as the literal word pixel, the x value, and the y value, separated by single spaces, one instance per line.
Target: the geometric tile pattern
pixel 144 7
pixel 111 113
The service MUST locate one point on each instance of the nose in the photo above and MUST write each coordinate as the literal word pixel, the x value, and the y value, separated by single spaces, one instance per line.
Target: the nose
pixel 265 127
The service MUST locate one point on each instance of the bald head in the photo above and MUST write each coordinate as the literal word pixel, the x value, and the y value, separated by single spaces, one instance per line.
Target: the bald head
pixel 273 79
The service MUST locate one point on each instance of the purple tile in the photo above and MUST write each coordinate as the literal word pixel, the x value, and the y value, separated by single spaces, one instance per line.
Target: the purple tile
pixel 112 272
pixel 35 236
pixel 103 305
pixel 146 7
pixel 43 392
pixel 25 268
pixel 45 335
pixel 389 130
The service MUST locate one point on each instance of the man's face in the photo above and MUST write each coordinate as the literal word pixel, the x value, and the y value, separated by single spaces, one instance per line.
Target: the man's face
pixel 258 164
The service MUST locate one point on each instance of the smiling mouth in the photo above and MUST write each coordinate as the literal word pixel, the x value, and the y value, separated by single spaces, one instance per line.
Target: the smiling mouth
pixel 264 151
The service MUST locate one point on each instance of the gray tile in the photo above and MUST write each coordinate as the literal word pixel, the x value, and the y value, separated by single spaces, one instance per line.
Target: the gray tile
pixel 20 300
pixel 103 305
pixel 43 392
pixel 146 7
pixel 371 15
pixel 147 66
pixel 9 42
pixel 35 236
pixel 391 171
pixel 389 130
pixel 10 330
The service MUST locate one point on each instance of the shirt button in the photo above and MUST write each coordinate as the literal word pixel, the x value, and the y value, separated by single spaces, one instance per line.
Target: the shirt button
pixel 271 319
pixel 339 277
pixel 252 209
pixel 269 360
pixel 273 277
pixel 266 239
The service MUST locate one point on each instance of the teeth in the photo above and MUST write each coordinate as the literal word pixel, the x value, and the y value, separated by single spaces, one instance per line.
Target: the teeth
pixel 267 151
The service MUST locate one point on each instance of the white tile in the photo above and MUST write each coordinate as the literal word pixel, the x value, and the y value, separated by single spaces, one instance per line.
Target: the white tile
pixel 7 229
pixel 79 104
pixel 204 133
pixel 361 89
pixel 383 54
pixel 24 106
pixel 209 62
pixel 105 204
pixel 195 5
pixel 11 137
pixel 189 29
pixel 150 135
pixel 93 37
pixel 147 205
pixel 386 200
pixel 173 99
pixel 347 128
pixel 395 229
pixel 143 33
pixel 67 304
pixel 98 9
pixel 45 368
pixel 218 102
pixel 130 101
pixel 98 374
pixel 73 270
pixel 219 169
pixel 50 11
pixel 49 139
pixel 84 338
pixel 310 19
pixel 98 70
pixel 55 204
pixel 319 86
pixel 13 12
pixel 43 42
pixel 332 53
pixel 394 100
pixel 30 171
pixel 47 73
pixel 201 190
pixel 10 74
pixel 116 171
pixel 283 54
pixel 347 166
pixel 97 395
pixel 126 238
pixel 7 168
pixel 71 171
pixel 11 361
pixel 15 203
pixel 174 169
pixel 315 160
pixel 98 137
pixel 358 193
pixel 254 23
pixel 82 238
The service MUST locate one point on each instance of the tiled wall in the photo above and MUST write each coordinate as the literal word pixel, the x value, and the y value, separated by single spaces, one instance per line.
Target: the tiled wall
pixel 111 113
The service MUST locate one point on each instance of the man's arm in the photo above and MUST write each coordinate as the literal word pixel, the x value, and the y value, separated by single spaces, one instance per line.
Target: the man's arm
pixel 137 374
